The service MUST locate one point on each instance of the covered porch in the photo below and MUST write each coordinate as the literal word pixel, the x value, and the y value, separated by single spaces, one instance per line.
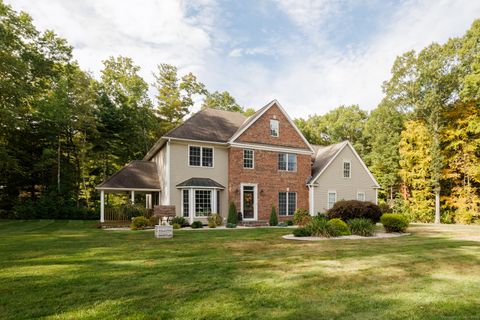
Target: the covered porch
pixel 136 178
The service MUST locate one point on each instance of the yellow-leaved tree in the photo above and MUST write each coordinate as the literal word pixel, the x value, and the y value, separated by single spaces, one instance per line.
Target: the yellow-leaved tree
pixel 415 171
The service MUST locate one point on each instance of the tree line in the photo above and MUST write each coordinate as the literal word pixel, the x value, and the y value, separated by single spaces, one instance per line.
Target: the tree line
pixel 62 131
pixel 422 141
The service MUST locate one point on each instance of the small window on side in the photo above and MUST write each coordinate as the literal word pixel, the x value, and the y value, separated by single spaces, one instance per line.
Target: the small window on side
pixel 347 169
pixel 274 127
pixel 361 196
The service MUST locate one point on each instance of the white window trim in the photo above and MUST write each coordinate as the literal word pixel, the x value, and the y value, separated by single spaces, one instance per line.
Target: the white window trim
pixel 212 204
pixel 286 203
pixel 350 169
pixel 328 198
pixel 278 128
pixel 201 157
pixel 364 195
pixel 286 162
pixel 255 200
pixel 183 202
pixel 253 159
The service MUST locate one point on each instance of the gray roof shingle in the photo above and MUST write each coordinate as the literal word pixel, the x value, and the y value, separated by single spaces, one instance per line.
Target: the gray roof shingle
pixel 137 174
pixel 200 182
pixel 323 155
pixel 209 125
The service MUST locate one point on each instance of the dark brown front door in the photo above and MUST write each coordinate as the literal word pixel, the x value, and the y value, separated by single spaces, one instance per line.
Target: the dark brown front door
pixel 248 202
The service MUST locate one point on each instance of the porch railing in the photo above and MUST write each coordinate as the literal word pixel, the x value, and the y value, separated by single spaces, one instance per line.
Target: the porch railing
pixel 123 214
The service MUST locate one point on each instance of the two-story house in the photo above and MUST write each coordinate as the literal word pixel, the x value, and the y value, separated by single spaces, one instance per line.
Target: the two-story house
pixel 216 157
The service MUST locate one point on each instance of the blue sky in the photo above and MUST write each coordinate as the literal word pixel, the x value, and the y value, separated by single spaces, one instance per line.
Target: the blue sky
pixel 310 55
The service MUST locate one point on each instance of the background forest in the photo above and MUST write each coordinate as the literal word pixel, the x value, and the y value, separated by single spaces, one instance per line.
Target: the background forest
pixel 62 131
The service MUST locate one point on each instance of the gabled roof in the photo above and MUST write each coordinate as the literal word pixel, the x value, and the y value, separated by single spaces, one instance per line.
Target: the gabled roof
pixel 209 125
pixel 324 156
pixel 136 175
pixel 259 113
pixel 200 182
pixel 217 126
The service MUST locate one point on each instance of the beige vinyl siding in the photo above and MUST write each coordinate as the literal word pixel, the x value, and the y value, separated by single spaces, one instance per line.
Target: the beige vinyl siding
pixel 181 171
pixel 161 160
pixel 346 188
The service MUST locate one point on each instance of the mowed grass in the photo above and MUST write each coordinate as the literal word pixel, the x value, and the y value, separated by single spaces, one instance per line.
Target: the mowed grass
pixel 70 270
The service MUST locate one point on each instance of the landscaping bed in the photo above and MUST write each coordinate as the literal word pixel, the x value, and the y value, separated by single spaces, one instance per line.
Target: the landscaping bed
pixel 377 235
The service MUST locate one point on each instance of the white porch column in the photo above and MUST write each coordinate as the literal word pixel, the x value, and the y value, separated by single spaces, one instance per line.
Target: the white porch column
pixel 148 201
pixel 102 206
pixel 132 197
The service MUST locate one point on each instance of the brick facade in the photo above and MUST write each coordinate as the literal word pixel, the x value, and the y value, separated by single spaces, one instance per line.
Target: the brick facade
pixel 270 180
pixel 259 131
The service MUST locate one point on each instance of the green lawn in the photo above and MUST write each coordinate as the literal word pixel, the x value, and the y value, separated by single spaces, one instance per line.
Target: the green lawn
pixel 70 270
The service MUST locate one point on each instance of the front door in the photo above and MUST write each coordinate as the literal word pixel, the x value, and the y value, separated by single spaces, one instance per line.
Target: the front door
pixel 249 199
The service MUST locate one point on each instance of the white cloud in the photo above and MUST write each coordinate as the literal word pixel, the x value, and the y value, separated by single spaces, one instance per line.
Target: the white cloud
pixel 308 74
pixel 151 32
pixel 329 77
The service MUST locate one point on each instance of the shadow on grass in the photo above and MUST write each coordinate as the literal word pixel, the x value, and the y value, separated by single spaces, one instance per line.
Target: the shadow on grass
pixel 71 270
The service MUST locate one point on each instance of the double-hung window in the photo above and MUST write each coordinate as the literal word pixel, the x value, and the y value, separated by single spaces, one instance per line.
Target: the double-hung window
pixel 332 198
pixel 361 196
pixel 287 162
pixel 248 158
pixel 347 169
pixel 287 203
pixel 200 156
pixel 274 128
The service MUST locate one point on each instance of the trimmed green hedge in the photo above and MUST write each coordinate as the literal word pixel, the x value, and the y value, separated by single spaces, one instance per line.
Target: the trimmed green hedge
pixel 394 222
pixel 341 226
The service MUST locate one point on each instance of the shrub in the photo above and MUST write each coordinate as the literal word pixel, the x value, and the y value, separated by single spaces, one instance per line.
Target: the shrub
pixel 361 227
pixel 281 224
pixel 301 217
pixel 394 222
pixel 176 226
pixel 215 219
pixel 232 214
pixel 302 232
pixel 153 220
pixel 212 224
pixel 139 223
pixel 288 222
pixel 179 220
pixel 273 217
pixel 352 209
pixel 231 225
pixel 385 208
pixel 341 226
pixel 319 226
pixel 197 224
